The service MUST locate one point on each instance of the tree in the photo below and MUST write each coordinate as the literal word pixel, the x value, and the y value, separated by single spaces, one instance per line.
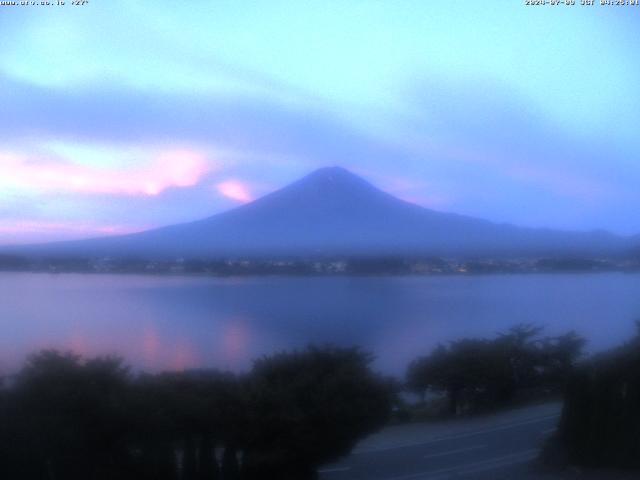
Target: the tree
pixel 480 374
pixel 600 423
pixel 308 408
pixel 69 417
pixel 560 356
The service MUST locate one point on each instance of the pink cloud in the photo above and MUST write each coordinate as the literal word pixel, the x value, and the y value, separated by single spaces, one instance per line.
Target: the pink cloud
pixel 235 190
pixel 174 168
pixel 26 231
pixel 21 226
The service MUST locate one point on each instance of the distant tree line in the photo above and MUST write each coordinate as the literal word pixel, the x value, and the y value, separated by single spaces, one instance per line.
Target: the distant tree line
pixel 477 374
pixel 317 265
pixel 600 423
pixel 311 265
pixel 65 418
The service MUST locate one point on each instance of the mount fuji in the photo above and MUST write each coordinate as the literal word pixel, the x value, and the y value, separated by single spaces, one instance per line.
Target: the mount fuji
pixel 334 212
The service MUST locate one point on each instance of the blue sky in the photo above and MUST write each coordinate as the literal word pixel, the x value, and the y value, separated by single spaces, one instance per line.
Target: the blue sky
pixel 124 115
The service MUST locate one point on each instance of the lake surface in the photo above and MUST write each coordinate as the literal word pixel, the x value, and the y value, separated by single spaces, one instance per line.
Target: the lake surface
pixel 183 322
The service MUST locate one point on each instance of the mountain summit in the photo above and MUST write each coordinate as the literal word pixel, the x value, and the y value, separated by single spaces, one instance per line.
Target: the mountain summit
pixel 334 212
pixel 330 188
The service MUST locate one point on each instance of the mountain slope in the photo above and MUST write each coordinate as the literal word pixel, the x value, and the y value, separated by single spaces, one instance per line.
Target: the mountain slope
pixel 332 211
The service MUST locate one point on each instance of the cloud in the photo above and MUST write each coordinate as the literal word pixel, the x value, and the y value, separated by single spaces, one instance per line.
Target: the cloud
pixel 235 190
pixel 98 114
pixel 29 231
pixel 467 149
pixel 171 168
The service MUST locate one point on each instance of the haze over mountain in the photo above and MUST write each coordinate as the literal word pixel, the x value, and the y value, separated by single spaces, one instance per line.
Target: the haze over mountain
pixel 334 212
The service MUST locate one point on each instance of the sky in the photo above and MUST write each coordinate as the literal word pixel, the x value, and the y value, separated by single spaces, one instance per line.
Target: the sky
pixel 119 116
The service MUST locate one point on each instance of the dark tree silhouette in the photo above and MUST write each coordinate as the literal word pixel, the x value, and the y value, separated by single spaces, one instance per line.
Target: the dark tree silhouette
pixel 600 424
pixel 187 415
pixel 66 418
pixel 481 374
pixel 308 408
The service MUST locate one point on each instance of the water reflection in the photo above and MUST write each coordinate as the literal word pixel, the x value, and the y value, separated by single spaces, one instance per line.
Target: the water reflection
pixel 185 322
pixel 235 343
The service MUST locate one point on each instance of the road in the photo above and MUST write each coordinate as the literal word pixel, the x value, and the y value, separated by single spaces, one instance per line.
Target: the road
pixel 494 447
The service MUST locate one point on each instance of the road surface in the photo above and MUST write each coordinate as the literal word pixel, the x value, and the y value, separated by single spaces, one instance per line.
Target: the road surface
pixel 494 447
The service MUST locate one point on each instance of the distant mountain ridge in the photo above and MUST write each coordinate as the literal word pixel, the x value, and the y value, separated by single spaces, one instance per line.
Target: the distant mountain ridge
pixel 334 212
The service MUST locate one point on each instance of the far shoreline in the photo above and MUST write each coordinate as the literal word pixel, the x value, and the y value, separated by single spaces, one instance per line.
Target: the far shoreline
pixel 321 275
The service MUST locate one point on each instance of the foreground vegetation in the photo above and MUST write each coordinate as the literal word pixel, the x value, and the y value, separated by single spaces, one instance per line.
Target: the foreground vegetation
pixel 600 424
pixel 66 418
pixel 481 374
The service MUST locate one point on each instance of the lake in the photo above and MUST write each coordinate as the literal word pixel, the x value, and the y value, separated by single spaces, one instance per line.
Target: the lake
pixel 172 322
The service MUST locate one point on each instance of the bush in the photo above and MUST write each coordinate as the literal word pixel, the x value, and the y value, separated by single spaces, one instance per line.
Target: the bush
pixel 67 418
pixel 308 408
pixel 600 424
pixel 478 374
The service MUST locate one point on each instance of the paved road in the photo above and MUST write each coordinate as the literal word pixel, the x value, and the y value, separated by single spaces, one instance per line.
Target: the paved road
pixel 494 447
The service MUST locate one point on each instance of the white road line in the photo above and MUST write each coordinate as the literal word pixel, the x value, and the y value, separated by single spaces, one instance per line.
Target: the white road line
pixel 452 452
pixel 461 435
pixel 482 466
pixel 500 462
pixel 336 469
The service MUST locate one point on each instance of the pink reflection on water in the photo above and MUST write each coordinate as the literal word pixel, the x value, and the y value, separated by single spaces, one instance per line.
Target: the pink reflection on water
pixel 79 345
pixel 150 345
pixel 184 357
pixel 235 342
